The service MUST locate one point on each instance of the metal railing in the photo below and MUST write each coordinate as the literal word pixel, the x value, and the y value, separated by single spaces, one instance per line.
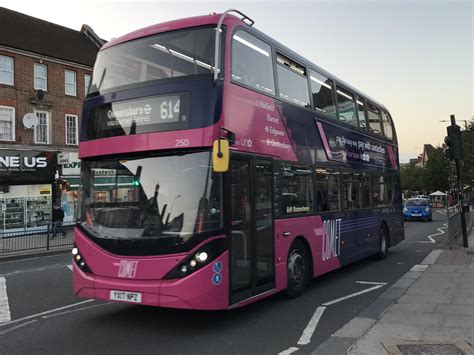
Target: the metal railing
pixel 47 237
pixel 454 221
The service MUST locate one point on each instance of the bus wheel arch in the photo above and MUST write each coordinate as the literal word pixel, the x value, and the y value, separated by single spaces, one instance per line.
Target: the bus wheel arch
pixel 299 267
pixel 384 241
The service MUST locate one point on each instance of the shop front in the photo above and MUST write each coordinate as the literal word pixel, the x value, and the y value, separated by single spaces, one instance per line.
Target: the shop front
pixel 26 189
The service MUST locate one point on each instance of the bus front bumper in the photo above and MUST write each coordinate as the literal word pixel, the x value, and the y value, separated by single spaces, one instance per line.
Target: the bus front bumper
pixel 198 290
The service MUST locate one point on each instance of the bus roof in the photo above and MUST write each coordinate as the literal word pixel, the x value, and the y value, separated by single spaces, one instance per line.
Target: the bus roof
pixel 213 18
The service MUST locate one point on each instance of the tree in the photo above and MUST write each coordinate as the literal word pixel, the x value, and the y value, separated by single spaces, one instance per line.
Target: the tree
pixel 411 178
pixel 437 171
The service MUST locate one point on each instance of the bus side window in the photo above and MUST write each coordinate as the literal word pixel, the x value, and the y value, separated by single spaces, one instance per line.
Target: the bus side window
pixel 346 109
pixel 252 63
pixel 361 112
pixel 387 125
pixel 379 191
pixel 322 89
pixel 292 81
pixel 296 190
pixel 374 118
pixel 327 187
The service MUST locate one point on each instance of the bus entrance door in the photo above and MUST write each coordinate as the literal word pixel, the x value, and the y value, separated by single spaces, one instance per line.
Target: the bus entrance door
pixel 252 261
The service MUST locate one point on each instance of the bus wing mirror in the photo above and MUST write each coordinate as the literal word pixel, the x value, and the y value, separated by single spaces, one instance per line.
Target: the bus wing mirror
pixel 220 156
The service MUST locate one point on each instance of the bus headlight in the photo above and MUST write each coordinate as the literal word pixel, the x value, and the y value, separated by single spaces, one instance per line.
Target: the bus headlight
pixel 198 259
pixel 80 262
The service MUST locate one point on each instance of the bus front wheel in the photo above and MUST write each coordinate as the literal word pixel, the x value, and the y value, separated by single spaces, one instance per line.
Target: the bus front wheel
pixel 298 269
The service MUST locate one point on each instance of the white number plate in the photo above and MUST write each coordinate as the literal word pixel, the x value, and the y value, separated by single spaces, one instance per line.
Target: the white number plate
pixel 134 297
pixel 416 215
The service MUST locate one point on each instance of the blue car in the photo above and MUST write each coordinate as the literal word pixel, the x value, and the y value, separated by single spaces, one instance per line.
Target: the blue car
pixel 417 208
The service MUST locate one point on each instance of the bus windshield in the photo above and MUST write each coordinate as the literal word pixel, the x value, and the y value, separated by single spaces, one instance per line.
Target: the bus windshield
pixel 167 203
pixel 167 55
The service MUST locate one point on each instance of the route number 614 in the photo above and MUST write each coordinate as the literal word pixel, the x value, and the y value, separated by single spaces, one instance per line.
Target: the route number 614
pixel 168 109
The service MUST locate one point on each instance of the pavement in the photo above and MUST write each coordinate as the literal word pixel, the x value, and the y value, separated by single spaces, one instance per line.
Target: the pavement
pixel 430 310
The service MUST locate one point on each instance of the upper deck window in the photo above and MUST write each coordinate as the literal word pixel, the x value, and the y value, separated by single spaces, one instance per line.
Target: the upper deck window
pixel 346 106
pixel 361 112
pixel 292 81
pixel 374 118
pixel 252 62
pixel 322 91
pixel 166 55
pixel 387 125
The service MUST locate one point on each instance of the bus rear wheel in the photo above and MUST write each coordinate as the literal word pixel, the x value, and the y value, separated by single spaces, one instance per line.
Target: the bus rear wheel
pixel 298 269
pixel 383 243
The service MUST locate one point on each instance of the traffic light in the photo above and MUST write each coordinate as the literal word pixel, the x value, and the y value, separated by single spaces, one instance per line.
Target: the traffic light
pixel 453 143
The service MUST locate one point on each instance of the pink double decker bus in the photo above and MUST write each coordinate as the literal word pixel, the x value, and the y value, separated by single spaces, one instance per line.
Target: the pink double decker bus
pixel 219 167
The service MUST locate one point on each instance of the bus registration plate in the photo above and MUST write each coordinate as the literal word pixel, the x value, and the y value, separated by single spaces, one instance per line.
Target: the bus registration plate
pixel 134 297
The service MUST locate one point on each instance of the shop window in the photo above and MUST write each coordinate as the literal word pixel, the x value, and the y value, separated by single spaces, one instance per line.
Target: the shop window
pixel 41 77
pixel 252 63
pixel 327 190
pixel 70 82
pixel 71 129
pixel 6 70
pixel 7 123
pixel 296 190
pixel 292 81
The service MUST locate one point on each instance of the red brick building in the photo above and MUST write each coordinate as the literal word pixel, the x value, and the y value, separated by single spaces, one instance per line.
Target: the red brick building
pixel 45 70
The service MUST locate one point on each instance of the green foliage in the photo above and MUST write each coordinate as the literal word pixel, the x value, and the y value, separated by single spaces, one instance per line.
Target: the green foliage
pixel 467 172
pixel 435 175
pixel 437 171
pixel 411 178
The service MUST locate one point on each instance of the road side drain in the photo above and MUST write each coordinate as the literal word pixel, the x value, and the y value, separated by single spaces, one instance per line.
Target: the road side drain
pixel 458 348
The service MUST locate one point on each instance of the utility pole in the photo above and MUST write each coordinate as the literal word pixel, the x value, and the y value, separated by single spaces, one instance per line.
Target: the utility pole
pixel 454 152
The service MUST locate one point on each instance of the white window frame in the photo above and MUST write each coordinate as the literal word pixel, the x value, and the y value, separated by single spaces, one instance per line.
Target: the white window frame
pixel 48 120
pixel 40 77
pixel 67 83
pixel 13 124
pixel 10 71
pixel 76 119
pixel 86 87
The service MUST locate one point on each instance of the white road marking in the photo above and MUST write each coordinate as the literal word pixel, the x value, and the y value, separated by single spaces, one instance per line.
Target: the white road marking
pixel 354 294
pixel 70 267
pixel 45 312
pixel 370 283
pixel 443 212
pixel 311 327
pixel 4 305
pixel 34 270
pixel 77 310
pixel 440 232
pixel 288 351
pixel 17 326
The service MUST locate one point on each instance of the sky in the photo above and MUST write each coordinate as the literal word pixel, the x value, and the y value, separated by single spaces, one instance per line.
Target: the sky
pixel 415 57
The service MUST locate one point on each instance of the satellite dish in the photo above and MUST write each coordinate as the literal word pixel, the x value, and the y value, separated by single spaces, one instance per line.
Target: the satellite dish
pixel 30 120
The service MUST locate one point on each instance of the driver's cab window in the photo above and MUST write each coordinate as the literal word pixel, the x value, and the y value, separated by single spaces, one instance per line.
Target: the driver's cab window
pixel 252 63
pixel 346 108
